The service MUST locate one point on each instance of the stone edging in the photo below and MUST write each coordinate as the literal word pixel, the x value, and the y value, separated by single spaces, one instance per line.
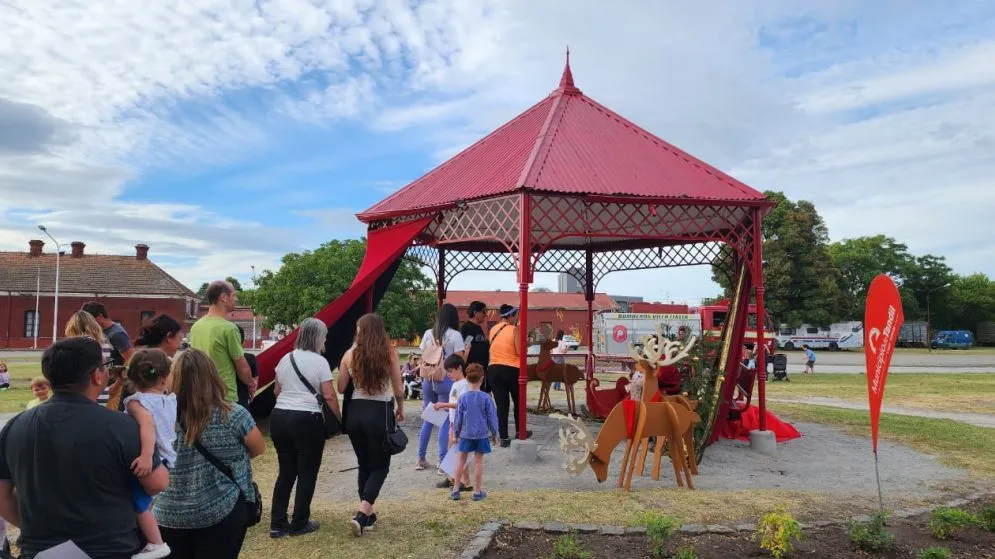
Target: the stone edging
pixel 483 538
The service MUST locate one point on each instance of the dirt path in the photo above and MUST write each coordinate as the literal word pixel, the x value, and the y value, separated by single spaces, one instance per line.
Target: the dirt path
pixel 976 419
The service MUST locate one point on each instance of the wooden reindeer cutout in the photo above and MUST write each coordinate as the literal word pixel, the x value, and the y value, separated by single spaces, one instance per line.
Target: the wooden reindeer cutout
pixel 548 371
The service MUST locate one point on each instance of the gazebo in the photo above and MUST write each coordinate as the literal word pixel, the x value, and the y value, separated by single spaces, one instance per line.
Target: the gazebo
pixel 567 186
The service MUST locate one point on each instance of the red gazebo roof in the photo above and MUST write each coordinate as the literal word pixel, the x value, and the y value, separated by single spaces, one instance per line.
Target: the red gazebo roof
pixel 568 144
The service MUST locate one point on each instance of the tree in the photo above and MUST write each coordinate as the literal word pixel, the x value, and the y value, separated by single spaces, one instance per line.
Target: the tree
pixel 202 292
pixel 972 300
pixel 308 281
pixel 801 283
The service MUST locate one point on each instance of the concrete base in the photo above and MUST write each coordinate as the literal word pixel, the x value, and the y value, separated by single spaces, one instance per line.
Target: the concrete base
pixel 525 451
pixel 763 442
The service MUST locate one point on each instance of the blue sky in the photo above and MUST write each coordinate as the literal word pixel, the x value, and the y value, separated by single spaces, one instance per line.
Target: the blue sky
pixel 227 134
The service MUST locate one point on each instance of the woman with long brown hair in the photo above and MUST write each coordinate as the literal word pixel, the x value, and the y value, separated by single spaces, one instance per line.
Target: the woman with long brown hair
pixel 377 405
pixel 202 514
pixel 81 324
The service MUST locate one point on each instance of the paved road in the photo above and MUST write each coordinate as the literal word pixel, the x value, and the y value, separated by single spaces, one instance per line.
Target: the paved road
pixel 902 362
pixel 976 419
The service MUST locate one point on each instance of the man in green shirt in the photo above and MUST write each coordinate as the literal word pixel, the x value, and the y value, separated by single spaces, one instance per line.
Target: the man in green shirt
pixel 219 338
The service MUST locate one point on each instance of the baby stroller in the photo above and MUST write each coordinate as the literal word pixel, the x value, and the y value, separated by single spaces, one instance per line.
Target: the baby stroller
pixel 780 362
pixel 412 385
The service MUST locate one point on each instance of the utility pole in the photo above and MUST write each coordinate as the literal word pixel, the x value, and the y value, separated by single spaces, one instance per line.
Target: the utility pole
pixel 929 338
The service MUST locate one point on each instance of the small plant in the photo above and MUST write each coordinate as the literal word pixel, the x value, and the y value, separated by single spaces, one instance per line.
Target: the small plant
pixel 933 553
pixel 568 546
pixel 872 537
pixel 776 532
pixel 944 522
pixel 685 553
pixel 987 519
pixel 660 528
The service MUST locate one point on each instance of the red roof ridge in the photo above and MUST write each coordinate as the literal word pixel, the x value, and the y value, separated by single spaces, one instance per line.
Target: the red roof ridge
pixel 567 86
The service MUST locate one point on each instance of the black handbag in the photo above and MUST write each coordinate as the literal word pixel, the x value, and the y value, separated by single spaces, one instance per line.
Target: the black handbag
pixel 253 509
pixel 396 440
pixel 332 424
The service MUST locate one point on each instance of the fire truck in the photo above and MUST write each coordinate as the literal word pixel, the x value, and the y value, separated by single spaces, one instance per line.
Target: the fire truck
pixel 615 332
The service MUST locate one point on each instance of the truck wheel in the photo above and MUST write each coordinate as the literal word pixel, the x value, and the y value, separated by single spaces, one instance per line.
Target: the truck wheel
pixel 833 346
pixel 789 345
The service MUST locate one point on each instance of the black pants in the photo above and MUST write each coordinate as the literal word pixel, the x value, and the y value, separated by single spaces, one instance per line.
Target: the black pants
pixel 369 421
pixel 299 438
pixel 504 386
pixel 221 541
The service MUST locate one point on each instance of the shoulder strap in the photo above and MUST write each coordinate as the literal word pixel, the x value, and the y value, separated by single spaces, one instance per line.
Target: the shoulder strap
pixel 495 334
pixel 221 466
pixel 293 362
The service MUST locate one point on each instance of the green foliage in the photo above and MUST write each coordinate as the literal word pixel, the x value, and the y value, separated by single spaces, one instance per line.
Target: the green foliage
pixel 945 522
pixel 308 281
pixel 568 546
pixel 872 536
pixel 933 553
pixel 700 382
pixel 685 553
pixel 776 532
pixel 660 528
pixel 987 519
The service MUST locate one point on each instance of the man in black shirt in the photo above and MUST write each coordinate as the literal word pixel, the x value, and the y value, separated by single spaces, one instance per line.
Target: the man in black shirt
pixel 472 329
pixel 65 466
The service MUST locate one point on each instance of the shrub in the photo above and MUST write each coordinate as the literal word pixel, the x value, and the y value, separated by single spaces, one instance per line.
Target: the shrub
pixel 872 537
pixel 944 522
pixel 987 519
pixel 568 546
pixel 685 553
pixel 776 530
pixel 660 528
pixel 933 553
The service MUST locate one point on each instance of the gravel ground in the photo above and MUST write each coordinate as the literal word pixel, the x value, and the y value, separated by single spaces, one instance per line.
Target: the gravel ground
pixel 824 460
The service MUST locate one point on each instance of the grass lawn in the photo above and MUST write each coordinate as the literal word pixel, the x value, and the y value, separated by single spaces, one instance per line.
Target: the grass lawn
pixel 21 373
pixel 954 392
pixel 958 444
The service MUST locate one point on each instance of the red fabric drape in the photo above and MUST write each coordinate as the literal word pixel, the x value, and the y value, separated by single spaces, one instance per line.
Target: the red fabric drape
pixel 383 248
pixel 749 420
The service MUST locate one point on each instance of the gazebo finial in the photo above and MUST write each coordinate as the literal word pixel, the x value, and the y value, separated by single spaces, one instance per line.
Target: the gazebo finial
pixel 567 79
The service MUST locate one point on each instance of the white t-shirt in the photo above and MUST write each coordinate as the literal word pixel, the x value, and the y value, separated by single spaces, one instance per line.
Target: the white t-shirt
pixel 294 395
pixel 162 408
pixel 452 344
pixel 459 388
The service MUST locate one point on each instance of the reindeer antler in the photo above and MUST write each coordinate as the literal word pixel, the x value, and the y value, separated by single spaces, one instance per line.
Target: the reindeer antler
pixel 575 437
pixel 671 351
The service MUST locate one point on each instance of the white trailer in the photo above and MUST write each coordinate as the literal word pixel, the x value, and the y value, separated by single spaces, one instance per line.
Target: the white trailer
pixel 841 335
pixel 615 332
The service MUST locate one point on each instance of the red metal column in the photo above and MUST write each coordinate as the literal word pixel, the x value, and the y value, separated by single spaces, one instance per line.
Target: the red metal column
pixel 440 287
pixel 524 278
pixel 758 281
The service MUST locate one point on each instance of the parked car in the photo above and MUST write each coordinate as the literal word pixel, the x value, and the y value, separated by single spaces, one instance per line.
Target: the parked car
pixel 952 339
pixel 572 342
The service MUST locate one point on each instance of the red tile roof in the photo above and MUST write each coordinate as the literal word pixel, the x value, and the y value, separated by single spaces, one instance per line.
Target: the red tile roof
pixel 569 144
pixel 98 274
pixel 537 300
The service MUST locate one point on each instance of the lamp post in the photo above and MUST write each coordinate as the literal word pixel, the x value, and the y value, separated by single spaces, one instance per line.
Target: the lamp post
pixel 55 314
pixel 254 345
pixel 34 325
pixel 929 339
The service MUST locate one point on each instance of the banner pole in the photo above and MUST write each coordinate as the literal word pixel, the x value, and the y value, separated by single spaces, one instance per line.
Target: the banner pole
pixel 877 475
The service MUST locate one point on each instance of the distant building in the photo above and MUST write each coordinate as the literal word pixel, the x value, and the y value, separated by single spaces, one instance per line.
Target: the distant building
pixel 625 302
pixel 131 287
pixel 570 284
pixel 557 311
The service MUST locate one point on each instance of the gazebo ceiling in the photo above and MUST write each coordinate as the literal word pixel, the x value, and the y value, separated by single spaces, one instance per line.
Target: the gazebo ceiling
pixel 570 145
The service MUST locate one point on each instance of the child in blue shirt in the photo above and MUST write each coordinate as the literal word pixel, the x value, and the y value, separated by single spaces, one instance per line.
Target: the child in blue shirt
pixel 476 417
pixel 810 363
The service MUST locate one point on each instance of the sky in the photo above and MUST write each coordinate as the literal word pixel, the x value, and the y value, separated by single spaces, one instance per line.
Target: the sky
pixel 226 133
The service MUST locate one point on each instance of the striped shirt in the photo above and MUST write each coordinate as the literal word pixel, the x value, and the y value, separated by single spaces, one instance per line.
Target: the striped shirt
pixel 105 396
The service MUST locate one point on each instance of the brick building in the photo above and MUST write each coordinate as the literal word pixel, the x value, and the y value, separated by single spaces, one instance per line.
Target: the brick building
pixel 566 311
pixel 243 316
pixel 131 287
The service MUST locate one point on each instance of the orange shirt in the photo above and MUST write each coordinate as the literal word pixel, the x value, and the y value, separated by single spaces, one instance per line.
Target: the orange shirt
pixel 503 345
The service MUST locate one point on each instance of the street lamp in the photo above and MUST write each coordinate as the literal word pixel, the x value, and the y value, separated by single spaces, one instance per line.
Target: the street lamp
pixel 254 345
pixel 929 339
pixel 55 314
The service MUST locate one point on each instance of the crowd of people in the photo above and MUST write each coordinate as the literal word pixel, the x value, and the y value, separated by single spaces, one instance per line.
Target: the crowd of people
pixel 157 443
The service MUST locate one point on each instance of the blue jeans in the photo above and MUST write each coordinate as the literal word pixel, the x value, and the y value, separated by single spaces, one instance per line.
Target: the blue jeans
pixel 433 392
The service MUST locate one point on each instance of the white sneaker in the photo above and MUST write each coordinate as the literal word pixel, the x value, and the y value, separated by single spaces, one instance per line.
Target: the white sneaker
pixel 153 551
